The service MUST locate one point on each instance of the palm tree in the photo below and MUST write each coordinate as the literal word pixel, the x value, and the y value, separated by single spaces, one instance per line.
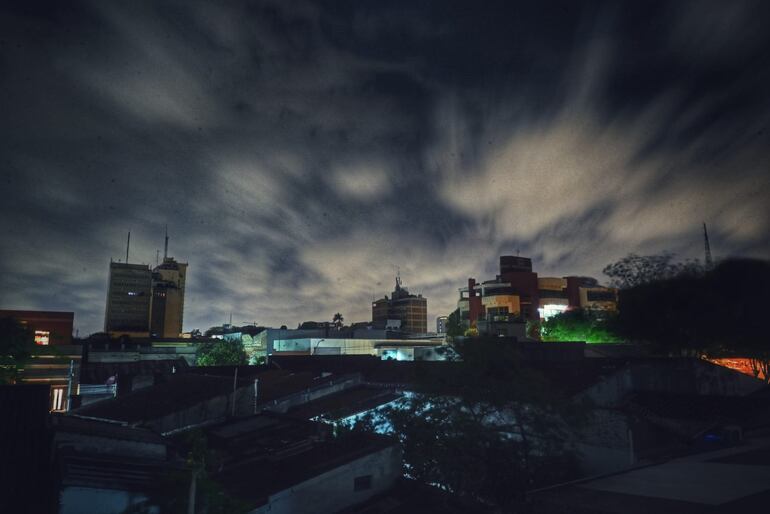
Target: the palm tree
pixel 337 321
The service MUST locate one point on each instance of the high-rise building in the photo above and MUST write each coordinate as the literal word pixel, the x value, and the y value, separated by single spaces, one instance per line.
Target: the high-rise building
pixel 129 297
pixel 411 310
pixel 168 286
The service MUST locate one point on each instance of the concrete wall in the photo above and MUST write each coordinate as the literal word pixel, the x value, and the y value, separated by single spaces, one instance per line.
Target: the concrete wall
pixel 333 491
pixel 110 446
pixel 683 376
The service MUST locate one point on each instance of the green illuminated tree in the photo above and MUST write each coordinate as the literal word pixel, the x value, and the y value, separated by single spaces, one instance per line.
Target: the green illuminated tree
pixel 17 345
pixel 579 325
pixel 221 353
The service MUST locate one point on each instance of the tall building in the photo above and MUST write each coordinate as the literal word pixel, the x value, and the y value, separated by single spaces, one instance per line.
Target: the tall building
pixel 168 285
pixel 441 322
pixel 411 310
pixel 129 296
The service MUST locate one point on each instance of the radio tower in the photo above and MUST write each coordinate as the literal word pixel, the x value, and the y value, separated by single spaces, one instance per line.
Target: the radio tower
pixel 709 262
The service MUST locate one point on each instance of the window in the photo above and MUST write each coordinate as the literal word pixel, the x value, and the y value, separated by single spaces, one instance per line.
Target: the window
pixel 42 337
pixel 362 483
pixel 57 399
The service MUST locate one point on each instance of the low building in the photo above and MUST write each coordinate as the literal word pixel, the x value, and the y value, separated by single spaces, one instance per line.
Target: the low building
pixel 517 294
pixel 277 464
pixel 49 327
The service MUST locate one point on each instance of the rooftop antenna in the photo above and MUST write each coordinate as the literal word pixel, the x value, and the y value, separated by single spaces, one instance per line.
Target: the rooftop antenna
pixel 398 276
pixel 157 253
pixel 709 262
pixel 128 244
pixel 231 319
pixel 165 248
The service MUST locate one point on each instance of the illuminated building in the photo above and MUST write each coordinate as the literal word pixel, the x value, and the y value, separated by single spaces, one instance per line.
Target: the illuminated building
pixel 559 294
pixel 441 322
pixel 49 327
pixel 411 310
pixel 128 300
pixel 518 294
pixel 168 286
pixel 513 294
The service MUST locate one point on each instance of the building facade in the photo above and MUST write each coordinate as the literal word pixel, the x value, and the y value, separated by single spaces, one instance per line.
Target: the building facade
pixel 129 296
pixel 411 310
pixel 441 322
pixel 49 327
pixel 518 294
pixel 168 288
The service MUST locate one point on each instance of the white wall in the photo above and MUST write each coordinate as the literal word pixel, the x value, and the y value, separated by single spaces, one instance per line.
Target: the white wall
pixel 333 490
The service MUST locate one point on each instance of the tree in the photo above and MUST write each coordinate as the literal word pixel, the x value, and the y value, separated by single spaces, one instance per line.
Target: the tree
pixel 221 353
pixel 579 325
pixel 454 325
pixel 634 270
pixel 717 314
pixel 484 428
pixel 337 321
pixel 17 345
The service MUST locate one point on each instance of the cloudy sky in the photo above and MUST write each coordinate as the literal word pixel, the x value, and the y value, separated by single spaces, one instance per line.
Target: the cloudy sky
pixel 301 151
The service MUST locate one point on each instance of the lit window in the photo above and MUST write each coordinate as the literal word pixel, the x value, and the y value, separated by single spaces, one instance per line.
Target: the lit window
pixel 57 399
pixel 42 336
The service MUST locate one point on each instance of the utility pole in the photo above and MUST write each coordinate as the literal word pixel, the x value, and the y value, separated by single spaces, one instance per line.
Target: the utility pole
pixel 709 262
pixel 128 244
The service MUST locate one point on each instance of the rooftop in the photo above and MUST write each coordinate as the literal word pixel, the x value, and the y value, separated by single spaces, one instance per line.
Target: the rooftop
pixel 732 480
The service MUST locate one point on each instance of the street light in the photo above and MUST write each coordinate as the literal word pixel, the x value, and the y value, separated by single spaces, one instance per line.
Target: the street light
pixel 315 348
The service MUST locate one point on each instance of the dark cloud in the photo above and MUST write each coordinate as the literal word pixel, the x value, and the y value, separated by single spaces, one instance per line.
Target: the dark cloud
pixel 299 152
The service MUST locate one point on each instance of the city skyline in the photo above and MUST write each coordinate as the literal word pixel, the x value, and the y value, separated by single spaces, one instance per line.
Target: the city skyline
pixel 301 153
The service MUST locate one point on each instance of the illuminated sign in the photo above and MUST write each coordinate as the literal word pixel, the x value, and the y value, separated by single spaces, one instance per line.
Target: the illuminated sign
pixel 42 337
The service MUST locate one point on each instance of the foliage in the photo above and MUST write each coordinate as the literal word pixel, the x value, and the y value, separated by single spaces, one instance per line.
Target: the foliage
pixel 634 270
pixel 454 325
pixel 337 321
pixel 221 353
pixel 579 325
pixel 719 313
pixel 17 345
pixel 483 428
pixel 172 494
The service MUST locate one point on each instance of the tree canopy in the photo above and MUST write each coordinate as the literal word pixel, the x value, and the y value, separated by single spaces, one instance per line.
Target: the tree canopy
pixel 719 313
pixel 221 353
pixel 580 325
pixel 17 345
pixel 483 427
pixel 634 270
pixel 454 325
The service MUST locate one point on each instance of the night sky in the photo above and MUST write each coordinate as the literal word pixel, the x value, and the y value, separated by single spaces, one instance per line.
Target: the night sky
pixel 300 152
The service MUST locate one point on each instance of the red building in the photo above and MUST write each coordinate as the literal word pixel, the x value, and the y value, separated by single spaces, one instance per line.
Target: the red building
pixel 49 327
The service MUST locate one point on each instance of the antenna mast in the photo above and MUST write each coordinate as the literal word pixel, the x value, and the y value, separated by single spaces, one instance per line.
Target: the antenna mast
pixel 709 262
pixel 128 244
pixel 165 248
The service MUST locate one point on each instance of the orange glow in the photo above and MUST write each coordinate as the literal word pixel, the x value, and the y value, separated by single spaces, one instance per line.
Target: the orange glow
pixel 741 364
